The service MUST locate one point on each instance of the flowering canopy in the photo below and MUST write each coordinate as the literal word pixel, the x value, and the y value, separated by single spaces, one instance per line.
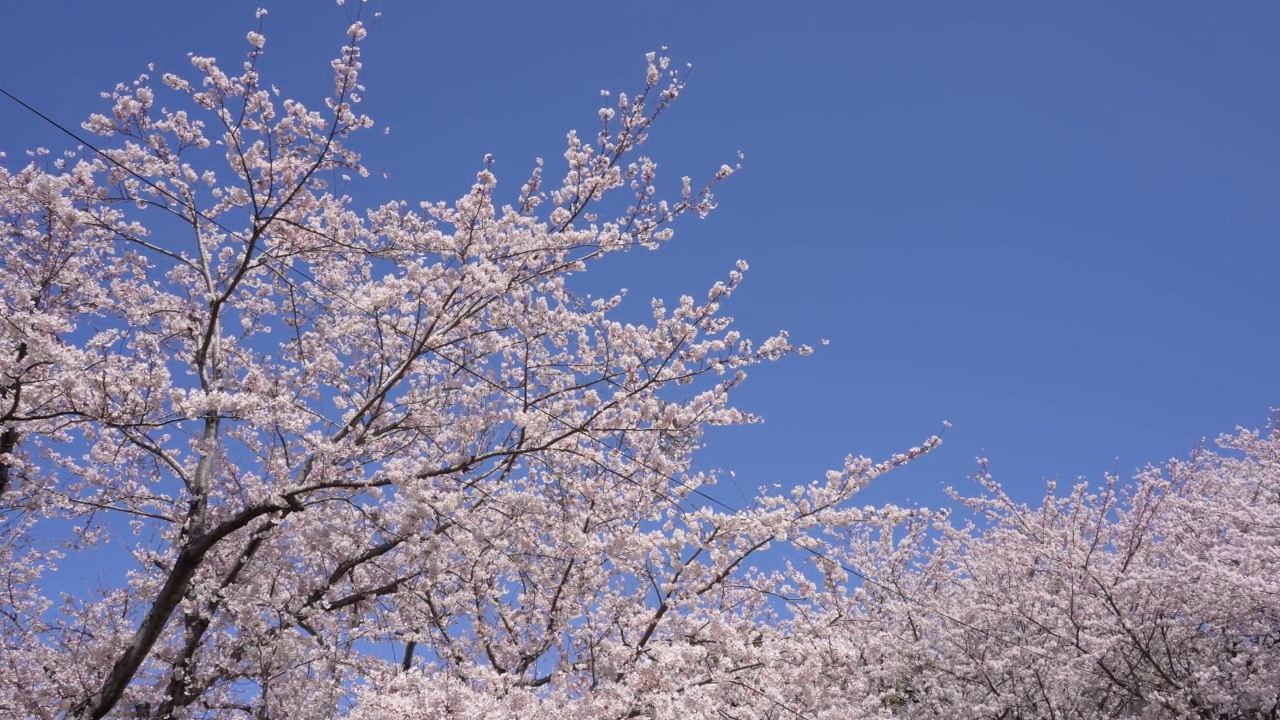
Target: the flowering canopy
pixel 385 464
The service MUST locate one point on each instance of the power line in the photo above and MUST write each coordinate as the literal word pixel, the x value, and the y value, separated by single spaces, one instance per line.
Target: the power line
pixel 117 163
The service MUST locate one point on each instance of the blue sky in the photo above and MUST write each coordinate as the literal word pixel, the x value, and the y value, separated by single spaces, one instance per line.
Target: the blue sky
pixel 1053 224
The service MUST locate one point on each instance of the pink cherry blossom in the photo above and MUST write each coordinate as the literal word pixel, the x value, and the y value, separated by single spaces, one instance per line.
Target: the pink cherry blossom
pixel 329 461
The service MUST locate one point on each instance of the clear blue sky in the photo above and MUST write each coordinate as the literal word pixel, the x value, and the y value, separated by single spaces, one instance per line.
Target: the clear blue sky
pixel 1053 224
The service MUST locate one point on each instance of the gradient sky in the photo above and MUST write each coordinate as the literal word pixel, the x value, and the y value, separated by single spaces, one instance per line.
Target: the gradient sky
pixel 1053 224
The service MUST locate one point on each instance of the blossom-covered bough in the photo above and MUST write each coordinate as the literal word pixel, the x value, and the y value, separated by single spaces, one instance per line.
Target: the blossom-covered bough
pixel 326 462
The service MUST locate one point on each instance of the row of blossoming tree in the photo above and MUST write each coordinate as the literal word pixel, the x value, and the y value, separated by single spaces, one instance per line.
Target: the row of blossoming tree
pixel 265 455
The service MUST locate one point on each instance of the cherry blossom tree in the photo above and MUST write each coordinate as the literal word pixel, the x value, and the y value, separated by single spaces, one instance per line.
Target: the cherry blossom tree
pixel 386 463
pixel 1158 598
pixel 294 437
